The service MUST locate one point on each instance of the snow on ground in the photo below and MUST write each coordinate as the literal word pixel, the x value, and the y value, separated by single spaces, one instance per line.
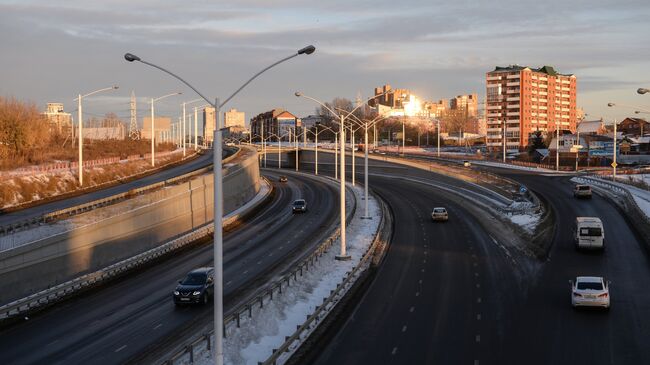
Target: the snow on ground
pixel 266 330
pixel 527 221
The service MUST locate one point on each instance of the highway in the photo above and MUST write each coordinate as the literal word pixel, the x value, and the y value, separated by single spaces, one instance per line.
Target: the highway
pixel 38 210
pixel 446 294
pixel 118 322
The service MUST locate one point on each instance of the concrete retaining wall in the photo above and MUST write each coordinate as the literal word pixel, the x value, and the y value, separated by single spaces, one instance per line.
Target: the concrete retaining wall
pixel 181 208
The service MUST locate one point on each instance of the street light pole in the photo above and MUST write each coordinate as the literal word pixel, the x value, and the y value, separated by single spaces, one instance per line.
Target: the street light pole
pixel 218 195
pixel 153 134
pixel 80 123
pixel 295 141
pixel 438 120
pixel 557 146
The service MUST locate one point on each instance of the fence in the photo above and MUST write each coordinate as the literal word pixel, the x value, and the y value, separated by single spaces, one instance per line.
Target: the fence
pixel 258 302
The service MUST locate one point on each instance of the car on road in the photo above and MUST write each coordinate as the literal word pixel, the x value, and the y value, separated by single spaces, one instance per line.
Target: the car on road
pixel 467 163
pixel 439 214
pixel 196 288
pixel 582 191
pixel 283 178
pixel 590 291
pixel 589 233
pixel 299 206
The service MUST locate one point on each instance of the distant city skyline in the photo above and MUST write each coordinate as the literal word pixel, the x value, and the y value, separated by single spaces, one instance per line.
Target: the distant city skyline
pixel 54 50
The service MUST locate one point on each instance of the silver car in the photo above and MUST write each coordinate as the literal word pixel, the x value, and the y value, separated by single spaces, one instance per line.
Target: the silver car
pixel 439 214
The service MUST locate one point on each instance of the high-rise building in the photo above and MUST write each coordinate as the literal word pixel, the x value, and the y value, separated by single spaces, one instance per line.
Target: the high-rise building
pixel 467 103
pixel 392 100
pixel 208 124
pixel 235 120
pixel 527 100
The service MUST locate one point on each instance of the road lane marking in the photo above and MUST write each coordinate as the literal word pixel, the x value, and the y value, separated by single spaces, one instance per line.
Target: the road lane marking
pixel 475 362
pixel 478 338
pixel 281 247
pixel 404 329
pixel 478 300
pixel 229 282
pixel 245 272
pixel 412 309
pixel 259 262
pixel 394 351
pixel 478 285
pixel 417 293
pixel 158 326
pixel 476 274
pixel 478 317
pixel 422 270
pixel 420 282
pixel 120 348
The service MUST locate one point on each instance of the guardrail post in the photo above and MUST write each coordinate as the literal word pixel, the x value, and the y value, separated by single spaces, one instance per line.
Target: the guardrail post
pixel 190 350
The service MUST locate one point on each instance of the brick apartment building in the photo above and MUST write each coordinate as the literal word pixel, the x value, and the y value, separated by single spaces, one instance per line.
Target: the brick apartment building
pixel 274 122
pixel 528 100
pixel 467 103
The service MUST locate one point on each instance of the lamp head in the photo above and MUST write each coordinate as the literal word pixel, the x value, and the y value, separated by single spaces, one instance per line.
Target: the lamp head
pixel 131 57
pixel 610 104
pixel 307 50
pixel 115 87
pixel 637 112
pixel 642 90
pixel 298 94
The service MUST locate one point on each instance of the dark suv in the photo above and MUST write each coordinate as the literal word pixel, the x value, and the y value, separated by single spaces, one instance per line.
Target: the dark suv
pixel 197 287
pixel 299 206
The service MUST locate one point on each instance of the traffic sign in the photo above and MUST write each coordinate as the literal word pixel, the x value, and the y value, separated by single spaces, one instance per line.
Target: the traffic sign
pixel 614 164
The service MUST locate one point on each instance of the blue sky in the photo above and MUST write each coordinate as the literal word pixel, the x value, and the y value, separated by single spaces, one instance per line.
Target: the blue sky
pixel 53 50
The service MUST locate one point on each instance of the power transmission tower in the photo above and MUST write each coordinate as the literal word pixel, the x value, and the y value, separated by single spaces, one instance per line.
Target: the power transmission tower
pixel 134 133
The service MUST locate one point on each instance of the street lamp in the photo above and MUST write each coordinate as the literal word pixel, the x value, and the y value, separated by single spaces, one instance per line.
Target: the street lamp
pixel 643 90
pixel 316 147
pixel 153 163
pixel 80 122
pixel 218 192
pixel 343 255
pixel 184 123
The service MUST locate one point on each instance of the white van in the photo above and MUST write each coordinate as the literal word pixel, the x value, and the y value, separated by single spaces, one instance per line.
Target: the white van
pixel 589 233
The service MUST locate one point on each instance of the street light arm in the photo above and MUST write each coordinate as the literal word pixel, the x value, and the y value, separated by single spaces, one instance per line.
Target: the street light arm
pixel 168 95
pixel 307 50
pixel 98 91
pixel 177 77
pixel 301 95
pixel 628 106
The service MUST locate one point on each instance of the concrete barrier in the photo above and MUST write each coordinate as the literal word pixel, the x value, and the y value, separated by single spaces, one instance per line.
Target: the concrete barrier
pixel 177 210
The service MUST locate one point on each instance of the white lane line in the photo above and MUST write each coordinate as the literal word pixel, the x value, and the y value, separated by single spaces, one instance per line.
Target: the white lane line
pixel 478 300
pixel 158 326
pixel 478 317
pixel 478 285
pixel 475 264
pixel 259 262
pixel 52 343
pixel 412 309
pixel 475 362
pixel 271 254
pixel 245 272
pixel 476 274
pixel 229 282
pixel 281 247
pixel 417 293
pixel 478 338
pixel 404 329
pixel 424 261
pixel 394 351
pixel 120 348
pixel 420 282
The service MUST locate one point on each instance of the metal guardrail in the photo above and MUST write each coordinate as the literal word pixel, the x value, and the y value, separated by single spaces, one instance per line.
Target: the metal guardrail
pixel 57 292
pixel 616 189
pixel 335 296
pixel 82 208
pixel 258 301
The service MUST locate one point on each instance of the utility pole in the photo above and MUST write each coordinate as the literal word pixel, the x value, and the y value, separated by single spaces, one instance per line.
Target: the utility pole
pixel 133 126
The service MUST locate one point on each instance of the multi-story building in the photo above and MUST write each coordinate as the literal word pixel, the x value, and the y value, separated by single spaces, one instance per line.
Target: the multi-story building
pixel 392 100
pixel 273 123
pixel 436 109
pixel 208 124
pixel 60 121
pixel 527 100
pixel 467 103
pixel 235 120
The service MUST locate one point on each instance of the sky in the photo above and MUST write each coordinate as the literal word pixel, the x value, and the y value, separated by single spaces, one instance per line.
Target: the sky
pixel 53 50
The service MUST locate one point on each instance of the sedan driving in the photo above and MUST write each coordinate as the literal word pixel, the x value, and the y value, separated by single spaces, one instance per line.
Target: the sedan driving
pixel 590 291
pixel 439 214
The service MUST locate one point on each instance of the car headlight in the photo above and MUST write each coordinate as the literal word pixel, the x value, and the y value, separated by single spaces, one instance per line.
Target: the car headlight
pixel 196 293
pixel 176 292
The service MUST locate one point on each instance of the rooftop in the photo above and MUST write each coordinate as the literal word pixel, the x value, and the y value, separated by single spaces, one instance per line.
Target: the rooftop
pixel 549 70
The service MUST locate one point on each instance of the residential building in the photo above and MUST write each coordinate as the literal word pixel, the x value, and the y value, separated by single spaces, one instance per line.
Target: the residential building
pixel 468 103
pixel 634 127
pixel 392 100
pixel 527 100
pixel 208 124
pixel 235 121
pixel 60 121
pixel 436 109
pixel 273 123
pixel 161 128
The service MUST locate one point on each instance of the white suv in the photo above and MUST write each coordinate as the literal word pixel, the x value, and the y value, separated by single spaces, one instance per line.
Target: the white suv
pixel 590 291
pixel 439 214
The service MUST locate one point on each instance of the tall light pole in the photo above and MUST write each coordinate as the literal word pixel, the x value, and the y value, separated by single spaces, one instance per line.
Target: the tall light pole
pixel 218 194
pixel 153 134
pixel 557 145
pixel 504 141
pixel 438 120
pixel 643 90
pixel 316 147
pixel 343 254
pixel 80 123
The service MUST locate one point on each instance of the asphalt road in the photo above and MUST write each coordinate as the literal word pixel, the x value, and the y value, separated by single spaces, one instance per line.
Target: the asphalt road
pixel 118 322
pixel 38 210
pixel 446 294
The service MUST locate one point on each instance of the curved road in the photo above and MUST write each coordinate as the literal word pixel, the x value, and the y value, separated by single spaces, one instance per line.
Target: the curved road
pixel 463 302
pixel 136 313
